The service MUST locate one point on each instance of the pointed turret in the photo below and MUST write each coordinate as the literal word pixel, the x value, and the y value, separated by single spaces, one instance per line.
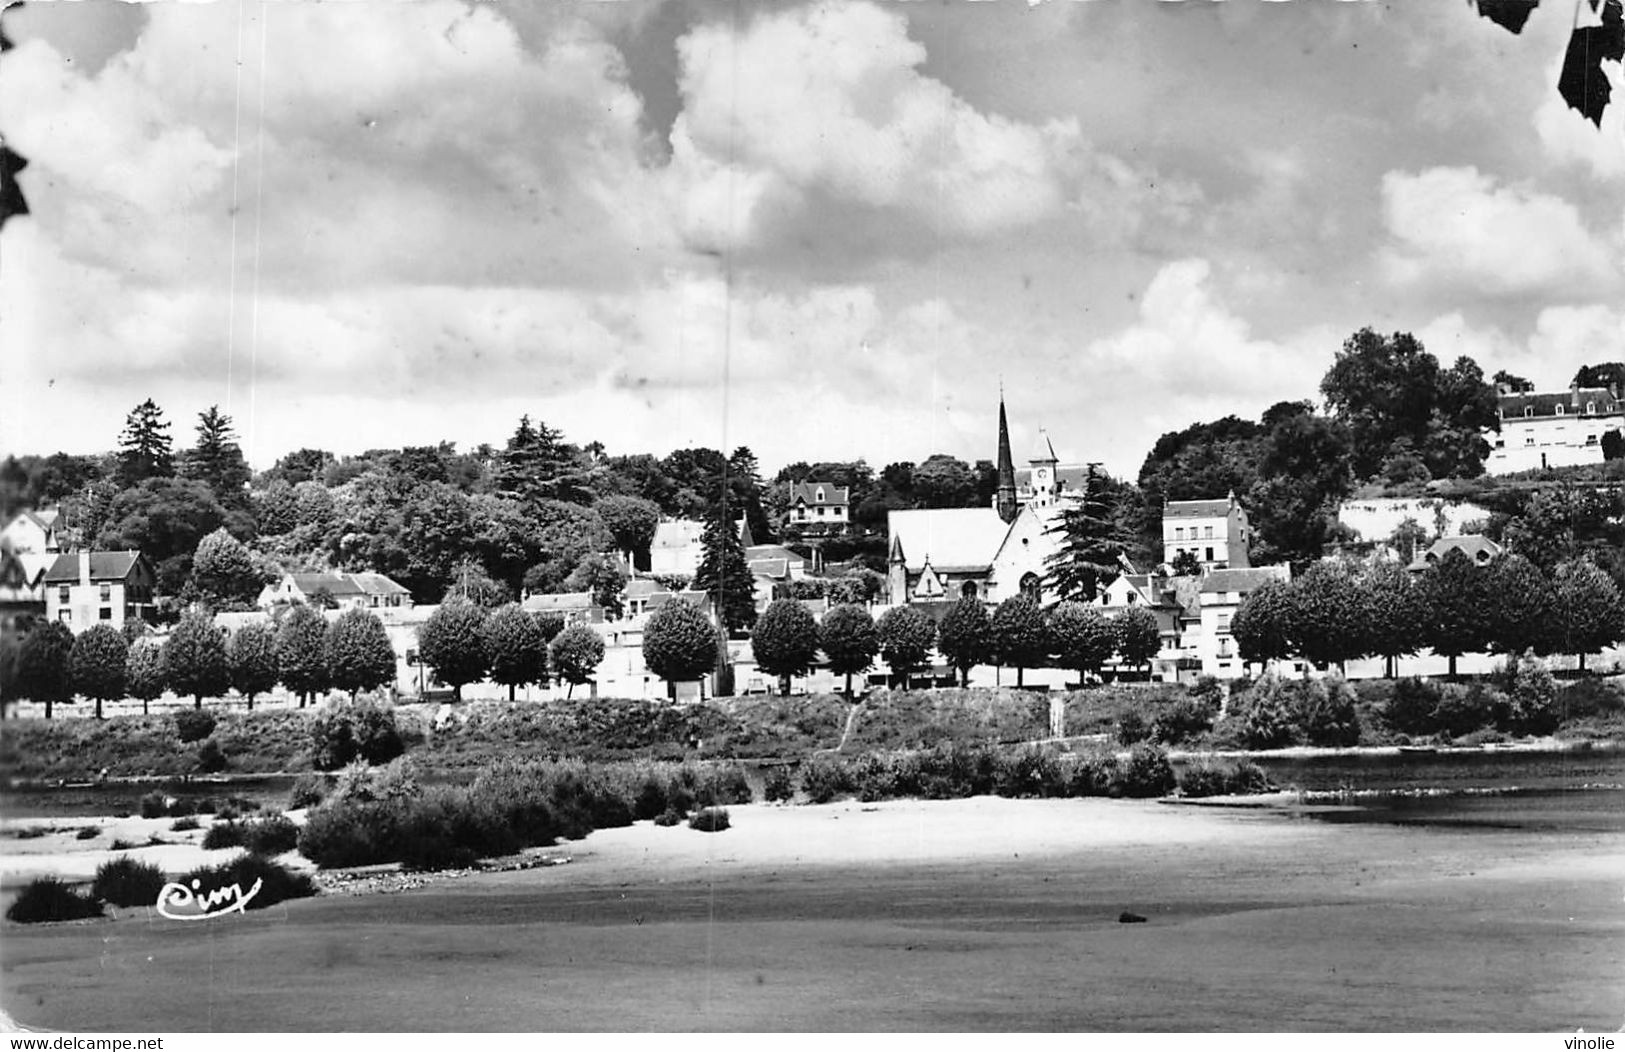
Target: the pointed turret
pixel 1005 500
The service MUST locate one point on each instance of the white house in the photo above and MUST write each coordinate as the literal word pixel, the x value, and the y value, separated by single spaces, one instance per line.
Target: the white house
pixel 1222 593
pixel 942 553
pixel 1216 532
pixel 88 588
pixel 676 549
pixel 814 502
pixel 1553 429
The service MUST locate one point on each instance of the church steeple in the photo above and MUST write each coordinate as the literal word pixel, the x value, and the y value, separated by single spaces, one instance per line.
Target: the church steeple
pixel 1005 500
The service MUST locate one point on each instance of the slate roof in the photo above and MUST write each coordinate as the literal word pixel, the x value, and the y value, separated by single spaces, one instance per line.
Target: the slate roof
pixel 338 585
pixel 1069 478
pixel 104 566
pixel 771 551
pixel 377 584
pixel 777 569
pixel 1196 509
pixel 678 533
pixel 952 540
pixel 1545 403
pixel 807 492
pixel 1478 548
pixel 557 603
pixel 1241 580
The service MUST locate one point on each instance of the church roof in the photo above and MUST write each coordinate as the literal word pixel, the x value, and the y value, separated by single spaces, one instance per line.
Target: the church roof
pixel 953 540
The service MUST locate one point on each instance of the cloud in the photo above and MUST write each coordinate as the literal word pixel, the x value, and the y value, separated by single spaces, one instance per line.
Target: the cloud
pixel 1454 227
pixel 1571 336
pixel 827 102
pixel 1570 138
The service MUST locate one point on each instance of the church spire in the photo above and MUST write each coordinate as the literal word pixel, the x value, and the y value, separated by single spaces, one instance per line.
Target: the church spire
pixel 1005 500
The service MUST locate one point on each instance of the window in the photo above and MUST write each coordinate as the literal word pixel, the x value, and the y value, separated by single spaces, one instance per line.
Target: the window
pixel 1591 408
pixel 1560 409
pixel 106 613
pixel 1209 554
pixel 1179 533
pixel 107 593
pixel 1528 410
pixel 1207 533
pixel 66 616
pixel 1591 440
pixel 62 595
pixel 1529 440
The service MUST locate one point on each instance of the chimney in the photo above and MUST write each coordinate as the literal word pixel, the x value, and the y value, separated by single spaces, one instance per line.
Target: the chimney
pixel 1574 396
pixel 84 566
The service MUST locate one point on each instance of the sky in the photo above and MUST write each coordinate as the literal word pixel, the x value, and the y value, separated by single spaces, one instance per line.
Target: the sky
pixel 824 230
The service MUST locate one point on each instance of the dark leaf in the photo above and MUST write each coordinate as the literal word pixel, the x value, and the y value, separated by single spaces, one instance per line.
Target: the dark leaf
pixel 1510 14
pixel 1583 84
pixel 11 194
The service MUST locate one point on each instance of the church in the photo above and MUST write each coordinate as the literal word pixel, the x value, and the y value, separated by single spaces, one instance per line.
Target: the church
pixel 993 553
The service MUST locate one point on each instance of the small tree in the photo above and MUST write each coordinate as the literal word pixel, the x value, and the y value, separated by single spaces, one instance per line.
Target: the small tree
pixel 1138 636
pixel 965 637
pixel 1329 610
pixel 1590 613
pixel 1262 625
pixel 300 657
pixel 631 521
pixel 848 638
pixel 576 654
pixel 97 663
pixel 43 671
pixel 1524 613
pixel 195 658
pixel 225 575
pixel 906 636
pixel 600 576
pixel 1083 638
pixel 452 643
pixel 679 643
pixel 1396 615
pixel 1456 605
pixel 359 655
pixel 785 641
pixel 515 649
pixel 1020 634
pixel 144 672
pixel 252 656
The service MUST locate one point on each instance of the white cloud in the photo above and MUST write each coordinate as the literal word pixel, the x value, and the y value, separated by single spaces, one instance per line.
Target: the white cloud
pixel 828 100
pixel 1572 336
pixel 1568 137
pixel 1455 227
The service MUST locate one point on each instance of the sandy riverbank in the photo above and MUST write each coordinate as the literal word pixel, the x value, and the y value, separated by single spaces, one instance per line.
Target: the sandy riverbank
pixel 980 914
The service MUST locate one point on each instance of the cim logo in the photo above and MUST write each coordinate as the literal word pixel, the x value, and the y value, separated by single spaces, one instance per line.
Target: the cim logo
pixel 179 902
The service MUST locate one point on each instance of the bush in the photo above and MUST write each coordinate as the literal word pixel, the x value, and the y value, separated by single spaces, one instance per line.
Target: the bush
pixel 1147 772
pixel 1532 697
pixel 270 835
pixel 277 882
pixel 1132 728
pixel 1410 709
pixel 183 824
pixel 1208 691
pixel 1465 708
pixel 48 899
pixel 154 805
pixel 1027 772
pixel 669 818
pixel 1088 774
pixel 1206 777
pixel 347 729
pixel 709 820
pixel 223 835
pixel 1326 712
pixel 309 789
pixel 194 725
pixel 1265 718
pixel 124 881
pixel 778 786
pixel 88 833
pixel 1183 720
pixel 211 759
pixel 823 778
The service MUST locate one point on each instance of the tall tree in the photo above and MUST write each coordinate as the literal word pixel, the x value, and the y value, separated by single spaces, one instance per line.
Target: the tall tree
pixel 965 637
pixel 252 658
pixel 575 654
pixel 452 643
pixel 1304 476
pixel 301 661
pixel 1264 622
pixel 1083 638
pixel 906 636
pixel 1137 635
pixel 785 641
pixel 679 643
pixel 1089 544
pixel 225 574
pixel 725 576
pixel 631 521
pixel 515 649
pixel 538 465
pixel 942 481
pixel 43 670
pixel 217 460
pixel 1603 374
pixel 358 651
pixel 602 577
pixel 144 671
pixel 1396 617
pixel 144 446
pixel 195 658
pixel 1458 604
pixel 97 664
pixel 1590 610
pixel 1329 614
pixel 1020 635
pixel 848 638
pixel 1523 612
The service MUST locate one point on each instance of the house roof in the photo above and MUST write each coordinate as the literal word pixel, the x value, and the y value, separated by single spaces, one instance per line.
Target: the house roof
pixel 1196 509
pixel 1545 403
pixel 677 533
pixel 639 587
pixel 104 566
pixel 45 518
pixel 778 569
pixel 807 492
pixel 771 551
pixel 338 585
pixel 950 539
pixel 1069 478
pixel 1475 546
pixel 688 595
pixel 1240 580
pixel 557 603
pixel 377 584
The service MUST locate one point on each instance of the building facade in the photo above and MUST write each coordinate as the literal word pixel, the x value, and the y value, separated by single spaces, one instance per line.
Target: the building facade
pixel 1215 532
pixel 1553 429
pixel 108 588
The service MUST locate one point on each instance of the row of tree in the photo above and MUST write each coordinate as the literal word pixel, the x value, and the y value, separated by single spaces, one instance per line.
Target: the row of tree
pixel 1335 612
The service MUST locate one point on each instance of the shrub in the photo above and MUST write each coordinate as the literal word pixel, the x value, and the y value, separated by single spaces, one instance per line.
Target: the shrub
pixel 1030 771
pixel 48 899
pixel 194 725
pixel 270 835
pixel 1326 712
pixel 1147 772
pixel 120 844
pixel 1131 728
pixel 1265 717
pixel 309 789
pixel 205 805
pixel 1183 720
pixel 223 835
pixel 88 833
pixel 183 824
pixel 1464 708
pixel 823 778
pixel 1531 696
pixel 277 882
pixel 211 759
pixel 709 820
pixel 1209 691
pixel 778 786
pixel 1088 774
pixel 1207 777
pixel 155 804
pixel 669 818
pixel 348 729
pixel 1410 709
pixel 124 881
pixel 869 777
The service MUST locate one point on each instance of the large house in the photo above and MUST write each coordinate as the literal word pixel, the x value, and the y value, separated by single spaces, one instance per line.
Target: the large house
pixel 1479 549
pixel 33 532
pixel 1215 532
pixel 819 503
pixel 676 550
pixel 89 588
pixel 1221 595
pixel 362 591
pixel 1553 429
pixel 1377 523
